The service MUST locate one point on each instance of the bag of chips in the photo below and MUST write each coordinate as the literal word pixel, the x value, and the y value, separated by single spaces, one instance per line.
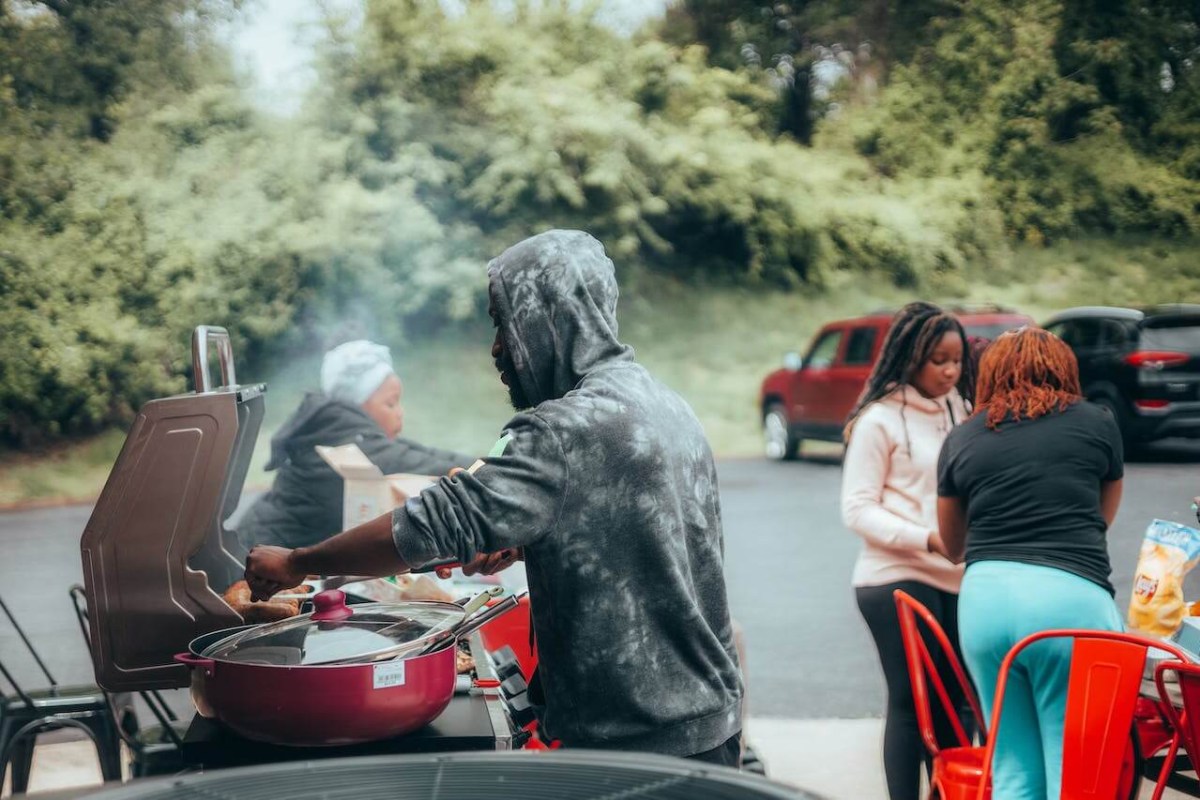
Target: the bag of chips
pixel 1169 551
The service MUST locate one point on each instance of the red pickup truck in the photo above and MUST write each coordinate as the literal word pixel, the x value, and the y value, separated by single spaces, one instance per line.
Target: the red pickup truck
pixel 811 396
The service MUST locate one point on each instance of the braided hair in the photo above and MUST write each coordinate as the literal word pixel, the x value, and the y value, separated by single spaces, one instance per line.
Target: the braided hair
pixel 913 336
pixel 1026 374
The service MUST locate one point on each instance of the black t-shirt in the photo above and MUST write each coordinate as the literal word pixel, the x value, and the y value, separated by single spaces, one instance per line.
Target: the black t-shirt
pixel 1031 488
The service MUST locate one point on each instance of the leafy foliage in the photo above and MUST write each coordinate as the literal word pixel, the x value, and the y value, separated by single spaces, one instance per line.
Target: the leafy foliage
pixel 1062 104
pixel 141 193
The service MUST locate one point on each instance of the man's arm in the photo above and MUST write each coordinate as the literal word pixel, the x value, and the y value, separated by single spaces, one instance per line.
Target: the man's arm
pixel 478 518
pixel 365 550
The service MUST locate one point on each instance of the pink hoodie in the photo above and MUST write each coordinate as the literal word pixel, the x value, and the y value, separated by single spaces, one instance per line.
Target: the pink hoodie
pixel 889 496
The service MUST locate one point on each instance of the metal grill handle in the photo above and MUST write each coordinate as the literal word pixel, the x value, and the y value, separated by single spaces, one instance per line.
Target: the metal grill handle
pixel 200 340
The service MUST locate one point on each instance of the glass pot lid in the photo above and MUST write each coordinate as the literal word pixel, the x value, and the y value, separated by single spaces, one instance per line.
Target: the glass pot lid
pixel 335 633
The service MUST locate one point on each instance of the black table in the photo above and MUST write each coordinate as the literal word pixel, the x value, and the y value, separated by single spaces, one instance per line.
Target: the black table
pixel 465 725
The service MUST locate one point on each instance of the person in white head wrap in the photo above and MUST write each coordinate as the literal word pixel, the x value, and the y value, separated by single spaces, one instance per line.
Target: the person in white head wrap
pixel 354 370
pixel 359 403
pixel 360 373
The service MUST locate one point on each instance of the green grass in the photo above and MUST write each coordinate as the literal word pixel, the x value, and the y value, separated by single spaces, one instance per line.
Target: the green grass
pixel 65 473
pixel 712 344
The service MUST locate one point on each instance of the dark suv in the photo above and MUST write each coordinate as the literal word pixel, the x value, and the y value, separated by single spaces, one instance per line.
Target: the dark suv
pixel 1143 365
pixel 810 397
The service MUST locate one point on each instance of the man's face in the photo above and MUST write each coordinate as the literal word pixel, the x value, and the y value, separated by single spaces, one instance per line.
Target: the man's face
pixel 504 364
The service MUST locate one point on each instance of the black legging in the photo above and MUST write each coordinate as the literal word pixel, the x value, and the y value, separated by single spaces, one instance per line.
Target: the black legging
pixel 903 750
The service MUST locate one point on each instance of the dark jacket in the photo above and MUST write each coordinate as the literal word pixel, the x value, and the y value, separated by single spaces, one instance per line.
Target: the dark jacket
pixel 609 485
pixel 304 506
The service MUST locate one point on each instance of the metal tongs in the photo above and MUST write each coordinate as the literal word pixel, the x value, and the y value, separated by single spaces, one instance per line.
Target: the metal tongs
pixel 313 585
pixel 473 621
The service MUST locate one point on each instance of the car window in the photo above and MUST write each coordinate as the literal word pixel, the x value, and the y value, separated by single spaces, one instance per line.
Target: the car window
pixel 1063 330
pixel 824 351
pixel 1078 332
pixel 1088 331
pixel 1113 333
pixel 1181 334
pixel 860 346
pixel 991 330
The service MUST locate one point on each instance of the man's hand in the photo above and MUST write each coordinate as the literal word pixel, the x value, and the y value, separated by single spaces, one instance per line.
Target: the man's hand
pixel 487 563
pixel 269 570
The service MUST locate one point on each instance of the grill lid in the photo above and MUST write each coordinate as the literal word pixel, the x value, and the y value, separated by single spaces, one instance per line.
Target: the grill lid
pixel 156 553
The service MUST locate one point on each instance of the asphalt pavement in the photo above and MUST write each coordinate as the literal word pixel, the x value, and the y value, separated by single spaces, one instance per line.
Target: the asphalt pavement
pixel 788 566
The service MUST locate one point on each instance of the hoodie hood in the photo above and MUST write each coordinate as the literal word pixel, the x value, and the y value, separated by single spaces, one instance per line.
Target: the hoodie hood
pixel 911 398
pixel 949 406
pixel 555 299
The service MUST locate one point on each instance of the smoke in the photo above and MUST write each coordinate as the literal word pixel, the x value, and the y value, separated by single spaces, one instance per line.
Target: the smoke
pixel 622 16
pixel 273 41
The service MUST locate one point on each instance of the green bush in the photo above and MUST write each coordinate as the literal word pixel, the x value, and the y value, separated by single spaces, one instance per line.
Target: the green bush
pixel 141 193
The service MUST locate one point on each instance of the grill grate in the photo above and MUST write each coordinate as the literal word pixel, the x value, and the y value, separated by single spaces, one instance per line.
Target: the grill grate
pixel 468 776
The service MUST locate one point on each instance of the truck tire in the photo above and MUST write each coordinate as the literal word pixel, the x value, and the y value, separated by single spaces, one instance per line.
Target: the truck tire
pixel 1121 416
pixel 778 442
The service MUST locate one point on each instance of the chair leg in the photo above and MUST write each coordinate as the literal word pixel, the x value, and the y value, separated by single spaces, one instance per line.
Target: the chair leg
pixel 1168 765
pixel 108 745
pixel 21 759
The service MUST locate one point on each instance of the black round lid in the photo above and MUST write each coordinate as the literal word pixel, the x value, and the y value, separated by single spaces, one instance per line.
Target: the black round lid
pixel 555 775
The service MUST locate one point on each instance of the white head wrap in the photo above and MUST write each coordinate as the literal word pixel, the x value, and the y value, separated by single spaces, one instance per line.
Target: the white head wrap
pixel 353 371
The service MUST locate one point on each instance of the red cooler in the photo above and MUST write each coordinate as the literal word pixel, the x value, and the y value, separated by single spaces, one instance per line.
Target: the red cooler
pixel 514 630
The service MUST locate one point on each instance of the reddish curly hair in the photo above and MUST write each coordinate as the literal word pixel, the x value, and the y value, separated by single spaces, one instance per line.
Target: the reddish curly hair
pixel 1025 374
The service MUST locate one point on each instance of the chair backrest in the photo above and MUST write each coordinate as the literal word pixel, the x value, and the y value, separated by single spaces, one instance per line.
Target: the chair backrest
pixel 1187 724
pixel 923 673
pixel 1104 682
pixel 32 651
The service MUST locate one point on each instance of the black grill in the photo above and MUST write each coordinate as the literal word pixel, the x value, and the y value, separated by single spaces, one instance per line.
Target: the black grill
pixel 468 776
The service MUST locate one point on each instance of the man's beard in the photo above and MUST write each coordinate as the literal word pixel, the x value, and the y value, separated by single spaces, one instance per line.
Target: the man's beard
pixel 516 395
pixel 517 398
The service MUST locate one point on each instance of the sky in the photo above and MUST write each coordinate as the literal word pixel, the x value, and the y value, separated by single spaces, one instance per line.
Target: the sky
pixel 273 40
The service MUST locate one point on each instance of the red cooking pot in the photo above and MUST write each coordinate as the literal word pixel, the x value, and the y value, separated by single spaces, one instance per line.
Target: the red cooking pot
pixel 341 675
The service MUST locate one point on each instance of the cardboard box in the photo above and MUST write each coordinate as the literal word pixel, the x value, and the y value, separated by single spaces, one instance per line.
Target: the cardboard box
pixel 368 492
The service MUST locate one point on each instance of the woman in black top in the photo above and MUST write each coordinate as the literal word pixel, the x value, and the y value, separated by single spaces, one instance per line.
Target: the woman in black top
pixel 1028 487
pixel 360 403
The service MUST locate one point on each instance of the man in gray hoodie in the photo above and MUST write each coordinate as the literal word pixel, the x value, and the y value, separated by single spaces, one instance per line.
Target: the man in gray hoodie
pixel 604 478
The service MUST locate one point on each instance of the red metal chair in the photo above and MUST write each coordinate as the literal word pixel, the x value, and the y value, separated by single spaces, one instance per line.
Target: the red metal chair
pixel 1102 692
pixel 1185 725
pixel 956 771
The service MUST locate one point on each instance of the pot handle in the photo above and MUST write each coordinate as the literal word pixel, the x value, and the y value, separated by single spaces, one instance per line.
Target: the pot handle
pixel 478 601
pixel 474 623
pixel 190 660
pixel 488 614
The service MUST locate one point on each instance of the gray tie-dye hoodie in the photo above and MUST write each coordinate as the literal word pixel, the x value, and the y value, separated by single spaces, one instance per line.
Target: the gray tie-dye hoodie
pixel 609 485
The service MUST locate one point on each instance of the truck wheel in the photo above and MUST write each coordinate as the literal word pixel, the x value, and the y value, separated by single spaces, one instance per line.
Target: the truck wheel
pixel 778 442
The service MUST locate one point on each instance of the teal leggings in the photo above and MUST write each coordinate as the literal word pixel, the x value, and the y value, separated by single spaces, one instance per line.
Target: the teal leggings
pixel 1002 602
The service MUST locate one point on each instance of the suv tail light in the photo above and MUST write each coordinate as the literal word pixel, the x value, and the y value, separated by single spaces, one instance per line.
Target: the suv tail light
pixel 1156 359
pixel 1151 405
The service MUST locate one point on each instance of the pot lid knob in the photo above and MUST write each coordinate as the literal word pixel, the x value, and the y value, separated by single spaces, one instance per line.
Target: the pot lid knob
pixel 330 606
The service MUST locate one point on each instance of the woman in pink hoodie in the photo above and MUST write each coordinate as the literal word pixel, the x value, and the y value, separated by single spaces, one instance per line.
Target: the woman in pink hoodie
pixel 920 387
